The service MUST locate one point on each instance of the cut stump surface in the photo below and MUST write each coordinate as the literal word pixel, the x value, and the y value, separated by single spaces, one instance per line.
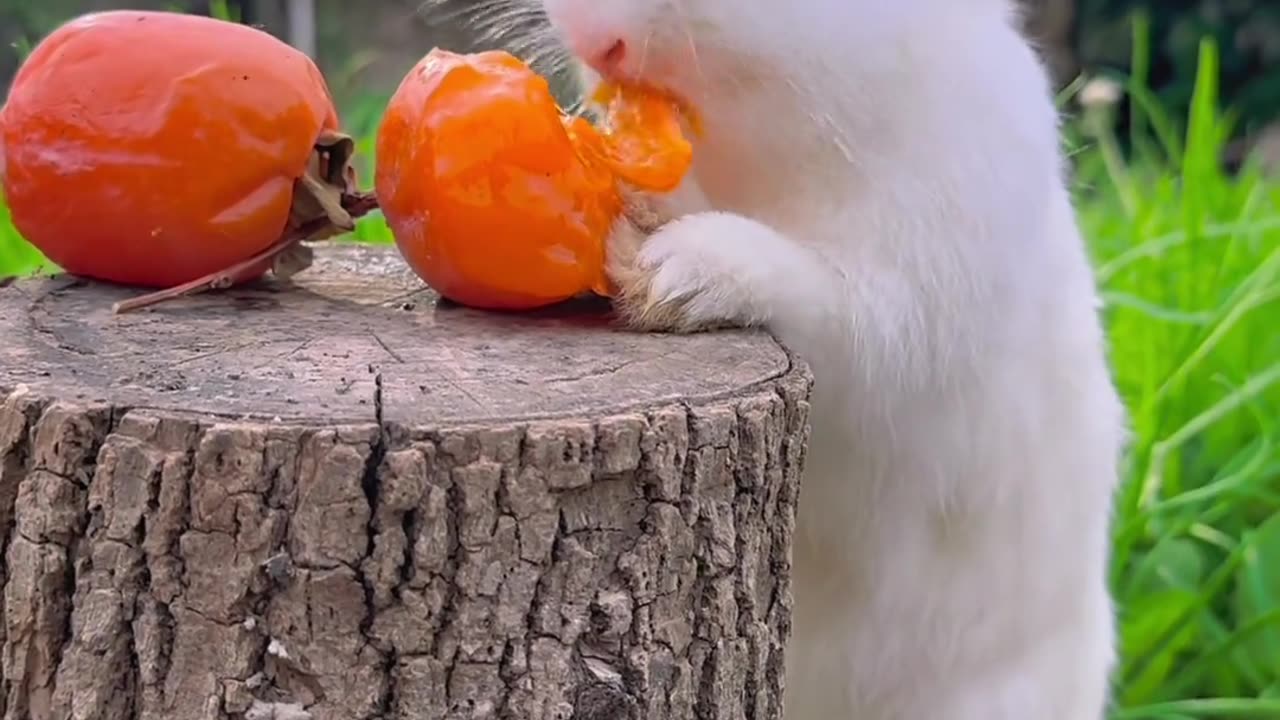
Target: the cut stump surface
pixel 339 500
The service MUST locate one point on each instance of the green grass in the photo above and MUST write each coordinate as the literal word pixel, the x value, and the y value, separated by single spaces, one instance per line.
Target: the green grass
pixel 1188 258
pixel 16 256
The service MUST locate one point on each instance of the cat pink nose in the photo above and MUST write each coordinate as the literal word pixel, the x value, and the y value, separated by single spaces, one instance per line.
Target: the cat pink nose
pixel 613 56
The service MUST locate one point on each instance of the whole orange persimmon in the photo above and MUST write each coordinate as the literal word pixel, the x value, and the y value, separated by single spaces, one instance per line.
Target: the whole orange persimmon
pixel 154 148
pixel 495 197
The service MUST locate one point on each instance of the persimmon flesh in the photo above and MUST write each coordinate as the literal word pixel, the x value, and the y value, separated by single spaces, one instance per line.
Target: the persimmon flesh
pixel 495 197
pixel 644 143
pixel 154 148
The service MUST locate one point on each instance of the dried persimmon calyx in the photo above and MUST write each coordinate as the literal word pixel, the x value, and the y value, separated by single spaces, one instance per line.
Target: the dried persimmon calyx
pixel 316 212
pixel 319 195
pixel 291 260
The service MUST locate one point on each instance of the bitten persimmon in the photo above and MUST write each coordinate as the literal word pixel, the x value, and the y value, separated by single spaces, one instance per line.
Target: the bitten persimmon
pixel 499 200
pixel 154 148
pixel 644 144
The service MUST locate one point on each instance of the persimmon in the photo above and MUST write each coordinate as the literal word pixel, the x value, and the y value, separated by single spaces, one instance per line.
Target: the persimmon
pixel 644 143
pixel 158 148
pixel 499 200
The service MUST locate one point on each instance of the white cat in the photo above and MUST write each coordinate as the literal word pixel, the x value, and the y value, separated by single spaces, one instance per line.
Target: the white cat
pixel 880 184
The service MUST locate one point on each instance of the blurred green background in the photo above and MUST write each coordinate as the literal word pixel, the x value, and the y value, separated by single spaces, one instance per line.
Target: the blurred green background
pixel 1178 189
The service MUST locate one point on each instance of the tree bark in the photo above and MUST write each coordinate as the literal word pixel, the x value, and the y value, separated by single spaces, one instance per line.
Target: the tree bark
pixel 341 500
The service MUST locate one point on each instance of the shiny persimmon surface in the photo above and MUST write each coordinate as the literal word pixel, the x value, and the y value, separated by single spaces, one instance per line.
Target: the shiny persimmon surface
pixel 495 197
pixel 152 148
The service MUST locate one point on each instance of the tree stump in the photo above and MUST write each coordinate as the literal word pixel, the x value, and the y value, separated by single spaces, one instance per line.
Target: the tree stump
pixel 342 500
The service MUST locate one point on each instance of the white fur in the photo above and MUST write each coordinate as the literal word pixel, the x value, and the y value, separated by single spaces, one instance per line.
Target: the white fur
pixel 884 190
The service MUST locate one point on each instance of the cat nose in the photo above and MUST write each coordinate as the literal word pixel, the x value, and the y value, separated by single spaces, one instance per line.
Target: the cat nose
pixel 611 58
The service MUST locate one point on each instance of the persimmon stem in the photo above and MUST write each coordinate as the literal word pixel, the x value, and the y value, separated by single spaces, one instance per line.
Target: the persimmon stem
pixel 356 206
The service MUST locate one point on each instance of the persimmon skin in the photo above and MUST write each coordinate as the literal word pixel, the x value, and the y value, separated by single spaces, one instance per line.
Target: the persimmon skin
pixel 483 189
pixel 153 148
